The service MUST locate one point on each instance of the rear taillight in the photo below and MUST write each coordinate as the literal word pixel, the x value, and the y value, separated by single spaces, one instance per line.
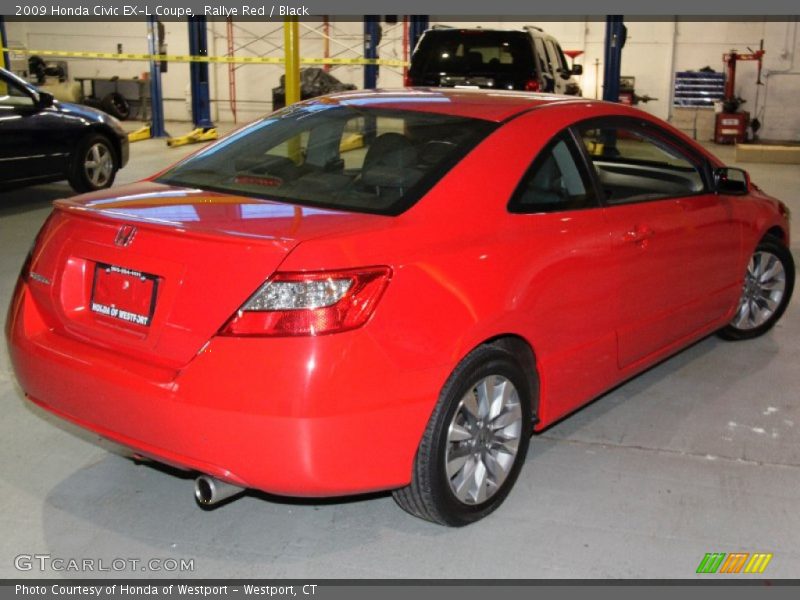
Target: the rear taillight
pixel 532 86
pixel 314 303
pixel 407 81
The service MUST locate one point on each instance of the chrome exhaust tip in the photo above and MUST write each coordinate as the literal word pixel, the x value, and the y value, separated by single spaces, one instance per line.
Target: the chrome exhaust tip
pixel 209 491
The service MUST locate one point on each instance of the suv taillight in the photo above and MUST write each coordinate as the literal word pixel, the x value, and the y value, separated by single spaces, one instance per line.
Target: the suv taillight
pixel 532 86
pixel 313 303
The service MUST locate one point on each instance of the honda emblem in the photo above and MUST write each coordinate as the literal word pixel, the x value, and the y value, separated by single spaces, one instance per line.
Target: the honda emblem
pixel 125 235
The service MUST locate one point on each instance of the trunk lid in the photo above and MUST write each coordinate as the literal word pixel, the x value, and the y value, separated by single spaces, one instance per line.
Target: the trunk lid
pixel 153 271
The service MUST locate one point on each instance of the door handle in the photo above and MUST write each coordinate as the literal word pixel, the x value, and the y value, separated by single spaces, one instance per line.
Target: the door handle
pixel 639 235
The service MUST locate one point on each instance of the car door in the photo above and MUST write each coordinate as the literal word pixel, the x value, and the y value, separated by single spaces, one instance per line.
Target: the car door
pixel 32 138
pixel 674 241
pixel 20 158
pixel 562 237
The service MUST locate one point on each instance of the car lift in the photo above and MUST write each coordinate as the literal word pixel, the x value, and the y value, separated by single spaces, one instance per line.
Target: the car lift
pixel 143 133
pixel 372 37
pixel 201 101
pixel 616 33
pixel 155 128
pixel 154 46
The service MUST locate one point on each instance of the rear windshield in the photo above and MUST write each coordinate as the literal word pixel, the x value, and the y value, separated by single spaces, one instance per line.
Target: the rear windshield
pixel 471 52
pixel 344 157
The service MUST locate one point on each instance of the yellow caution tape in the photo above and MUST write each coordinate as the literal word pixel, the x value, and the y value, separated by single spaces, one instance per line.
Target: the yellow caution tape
pixel 244 60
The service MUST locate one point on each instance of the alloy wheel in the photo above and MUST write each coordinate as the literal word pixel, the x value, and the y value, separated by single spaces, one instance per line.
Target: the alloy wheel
pixel 764 287
pixel 483 439
pixel 98 165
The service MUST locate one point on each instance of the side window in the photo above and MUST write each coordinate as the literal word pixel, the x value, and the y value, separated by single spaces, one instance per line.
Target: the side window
pixel 633 165
pixel 541 54
pixel 556 58
pixel 554 182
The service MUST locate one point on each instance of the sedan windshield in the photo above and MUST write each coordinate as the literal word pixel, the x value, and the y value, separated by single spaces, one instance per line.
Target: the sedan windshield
pixel 357 159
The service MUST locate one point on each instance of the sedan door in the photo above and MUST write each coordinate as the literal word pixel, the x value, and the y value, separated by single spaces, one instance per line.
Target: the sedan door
pixel 19 159
pixel 34 140
pixel 675 242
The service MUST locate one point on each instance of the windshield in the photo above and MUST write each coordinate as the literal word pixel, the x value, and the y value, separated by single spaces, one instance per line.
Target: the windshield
pixel 329 155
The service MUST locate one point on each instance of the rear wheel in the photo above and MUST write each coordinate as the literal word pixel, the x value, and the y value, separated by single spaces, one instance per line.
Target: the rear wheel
pixel 768 286
pixel 94 164
pixel 475 442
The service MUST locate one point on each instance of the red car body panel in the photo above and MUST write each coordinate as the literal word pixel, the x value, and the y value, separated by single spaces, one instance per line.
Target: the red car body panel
pixel 344 413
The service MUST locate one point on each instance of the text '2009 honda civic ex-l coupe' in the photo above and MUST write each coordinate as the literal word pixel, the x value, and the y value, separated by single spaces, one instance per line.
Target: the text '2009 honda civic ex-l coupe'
pixel 390 290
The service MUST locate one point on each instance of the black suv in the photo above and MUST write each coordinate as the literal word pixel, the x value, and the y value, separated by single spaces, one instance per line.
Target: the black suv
pixel 492 58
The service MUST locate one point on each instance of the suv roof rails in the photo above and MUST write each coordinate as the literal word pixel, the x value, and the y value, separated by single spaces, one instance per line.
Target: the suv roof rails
pixel 526 27
pixel 440 26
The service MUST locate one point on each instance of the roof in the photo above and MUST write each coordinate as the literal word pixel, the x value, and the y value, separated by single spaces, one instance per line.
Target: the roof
pixel 490 105
pixel 526 29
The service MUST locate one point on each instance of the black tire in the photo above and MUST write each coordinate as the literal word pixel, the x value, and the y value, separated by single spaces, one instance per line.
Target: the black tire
pixel 430 495
pixel 81 176
pixel 116 105
pixel 740 329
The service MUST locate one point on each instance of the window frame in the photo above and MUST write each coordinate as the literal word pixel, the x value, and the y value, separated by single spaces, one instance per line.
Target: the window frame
pixel 515 206
pixel 647 129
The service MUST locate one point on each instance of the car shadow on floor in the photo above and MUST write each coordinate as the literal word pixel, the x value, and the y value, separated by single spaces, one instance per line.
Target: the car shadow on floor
pixel 29 199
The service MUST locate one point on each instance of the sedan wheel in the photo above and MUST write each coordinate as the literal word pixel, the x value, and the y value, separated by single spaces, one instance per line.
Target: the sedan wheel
pixel 98 164
pixel 768 286
pixel 475 442
pixel 94 164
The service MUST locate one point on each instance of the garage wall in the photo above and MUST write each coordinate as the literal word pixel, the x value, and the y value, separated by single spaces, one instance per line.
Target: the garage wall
pixel 653 52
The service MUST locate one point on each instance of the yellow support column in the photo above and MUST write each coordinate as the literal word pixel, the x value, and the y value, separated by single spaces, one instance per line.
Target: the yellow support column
pixel 3 43
pixel 291 43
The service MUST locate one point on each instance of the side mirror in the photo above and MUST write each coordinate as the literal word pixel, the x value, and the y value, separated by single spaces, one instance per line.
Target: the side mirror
pixel 577 69
pixel 45 100
pixel 730 180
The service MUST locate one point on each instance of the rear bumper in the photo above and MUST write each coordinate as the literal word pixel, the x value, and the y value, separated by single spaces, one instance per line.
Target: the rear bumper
pixel 295 416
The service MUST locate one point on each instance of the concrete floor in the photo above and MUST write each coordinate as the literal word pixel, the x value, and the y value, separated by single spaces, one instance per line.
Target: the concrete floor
pixel 700 454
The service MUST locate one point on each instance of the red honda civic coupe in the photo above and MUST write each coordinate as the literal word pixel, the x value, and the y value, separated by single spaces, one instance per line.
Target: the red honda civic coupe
pixel 390 290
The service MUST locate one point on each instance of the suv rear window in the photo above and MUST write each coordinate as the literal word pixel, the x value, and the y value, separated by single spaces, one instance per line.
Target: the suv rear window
pixel 328 155
pixel 473 52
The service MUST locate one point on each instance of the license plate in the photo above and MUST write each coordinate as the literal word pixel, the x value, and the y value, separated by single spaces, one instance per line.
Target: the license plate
pixel 124 294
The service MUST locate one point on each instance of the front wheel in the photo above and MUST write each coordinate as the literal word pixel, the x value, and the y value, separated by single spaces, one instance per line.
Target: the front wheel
pixel 768 286
pixel 475 443
pixel 94 164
